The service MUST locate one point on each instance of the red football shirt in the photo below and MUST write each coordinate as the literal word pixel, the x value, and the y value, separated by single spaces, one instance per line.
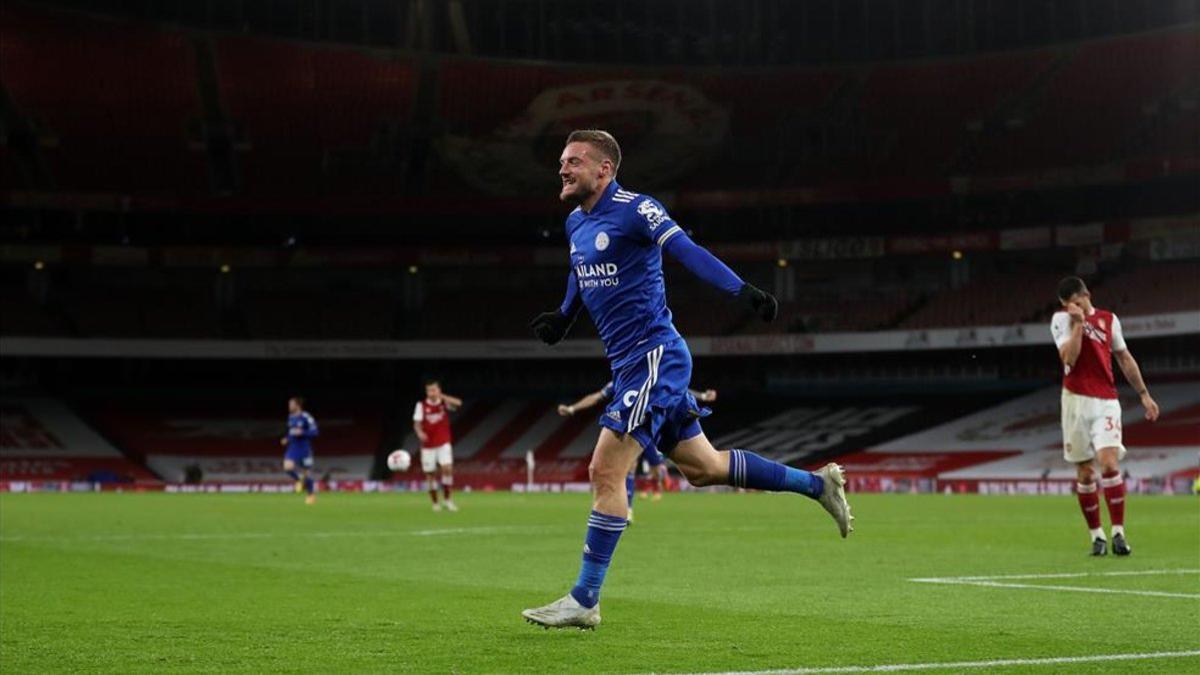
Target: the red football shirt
pixel 435 422
pixel 1092 374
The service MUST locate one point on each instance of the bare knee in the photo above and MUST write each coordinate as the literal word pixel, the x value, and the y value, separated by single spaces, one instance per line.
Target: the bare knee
pixel 1085 473
pixel 1109 463
pixel 605 478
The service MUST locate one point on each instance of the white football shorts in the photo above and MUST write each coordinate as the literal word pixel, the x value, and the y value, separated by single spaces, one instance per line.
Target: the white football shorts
pixel 432 458
pixel 1089 424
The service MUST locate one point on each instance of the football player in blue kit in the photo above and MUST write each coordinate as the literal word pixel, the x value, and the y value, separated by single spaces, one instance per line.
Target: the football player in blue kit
pixel 617 238
pixel 298 456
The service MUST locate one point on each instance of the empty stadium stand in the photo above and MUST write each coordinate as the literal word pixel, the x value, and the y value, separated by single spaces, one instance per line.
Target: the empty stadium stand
pixel 1007 298
pixel 488 302
pixel 42 439
pixel 114 104
pixel 1152 289
pixel 148 103
pixel 304 113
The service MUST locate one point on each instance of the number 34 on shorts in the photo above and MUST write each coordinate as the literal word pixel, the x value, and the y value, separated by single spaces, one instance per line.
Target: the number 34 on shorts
pixel 1090 424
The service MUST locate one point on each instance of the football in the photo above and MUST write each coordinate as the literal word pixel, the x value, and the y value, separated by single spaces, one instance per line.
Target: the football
pixel 399 460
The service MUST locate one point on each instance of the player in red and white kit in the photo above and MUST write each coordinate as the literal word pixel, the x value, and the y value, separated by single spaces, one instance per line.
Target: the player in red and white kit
pixel 431 421
pixel 1087 338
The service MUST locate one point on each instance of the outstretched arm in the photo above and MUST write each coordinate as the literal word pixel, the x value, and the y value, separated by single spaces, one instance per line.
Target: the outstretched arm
pixel 452 402
pixel 703 264
pixel 582 404
pixel 717 274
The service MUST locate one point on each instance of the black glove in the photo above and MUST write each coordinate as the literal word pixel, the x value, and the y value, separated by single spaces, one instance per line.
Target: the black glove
pixel 762 302
pixel 551 327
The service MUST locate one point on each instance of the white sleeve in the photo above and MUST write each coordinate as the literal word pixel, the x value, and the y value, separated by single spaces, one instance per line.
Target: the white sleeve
pixel 418 413
pixel 1060 328
pixel 1118 338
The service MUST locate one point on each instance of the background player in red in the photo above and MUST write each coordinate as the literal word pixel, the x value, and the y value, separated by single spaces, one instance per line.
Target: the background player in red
pixel 1087 338
pixel 431 422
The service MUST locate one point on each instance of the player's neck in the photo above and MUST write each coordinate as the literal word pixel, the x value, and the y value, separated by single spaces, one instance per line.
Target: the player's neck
pixel 590 203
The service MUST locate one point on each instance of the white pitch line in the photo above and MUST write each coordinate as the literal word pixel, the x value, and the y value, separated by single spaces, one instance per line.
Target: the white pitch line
pixel 998 581
pixel 1065 575
pixel 1075 589
pixel 964 665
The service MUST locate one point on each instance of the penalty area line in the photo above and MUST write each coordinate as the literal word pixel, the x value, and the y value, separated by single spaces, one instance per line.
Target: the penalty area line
pixel 965 665
pixel 1061 575
pixel 1008 581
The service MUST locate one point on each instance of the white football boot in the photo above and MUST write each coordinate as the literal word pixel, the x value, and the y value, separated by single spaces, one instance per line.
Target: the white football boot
pixel 565 612
pixel 450 506
pixel 833 497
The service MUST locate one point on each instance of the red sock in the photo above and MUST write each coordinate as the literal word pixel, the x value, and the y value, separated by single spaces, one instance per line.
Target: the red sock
pixel 1114 496
pixel 433 495
pixel 446 491
pixel 1089 501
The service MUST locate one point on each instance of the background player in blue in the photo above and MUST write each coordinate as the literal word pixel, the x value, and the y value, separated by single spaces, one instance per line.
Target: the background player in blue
pixel 616 240
pixel 298 458
pixel 651 457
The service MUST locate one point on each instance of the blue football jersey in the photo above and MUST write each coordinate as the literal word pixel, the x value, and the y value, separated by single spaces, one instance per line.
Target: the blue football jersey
pixel 616 261
pixel 301 444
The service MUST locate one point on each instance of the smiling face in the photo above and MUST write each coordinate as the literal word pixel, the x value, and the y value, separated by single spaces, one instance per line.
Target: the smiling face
pixel 584 172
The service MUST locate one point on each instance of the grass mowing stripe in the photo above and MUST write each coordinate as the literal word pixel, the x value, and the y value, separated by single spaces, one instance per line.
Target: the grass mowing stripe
pixel 203 536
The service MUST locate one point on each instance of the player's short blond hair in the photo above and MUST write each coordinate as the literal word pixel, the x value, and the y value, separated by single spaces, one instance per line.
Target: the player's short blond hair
pixel 602 141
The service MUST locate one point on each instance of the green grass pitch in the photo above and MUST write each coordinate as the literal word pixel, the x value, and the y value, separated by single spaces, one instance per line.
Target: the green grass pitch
pixel 700 582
